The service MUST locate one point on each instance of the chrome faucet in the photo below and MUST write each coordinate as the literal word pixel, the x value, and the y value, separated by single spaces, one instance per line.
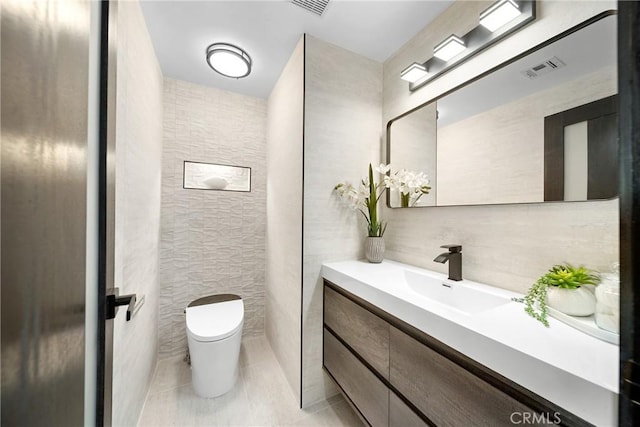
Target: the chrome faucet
pixel 454 256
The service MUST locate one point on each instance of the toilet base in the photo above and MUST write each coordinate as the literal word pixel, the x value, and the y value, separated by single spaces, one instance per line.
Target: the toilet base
pixel 214 365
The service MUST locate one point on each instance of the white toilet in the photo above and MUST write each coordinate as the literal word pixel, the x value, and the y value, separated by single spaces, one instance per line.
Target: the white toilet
pixel 214 332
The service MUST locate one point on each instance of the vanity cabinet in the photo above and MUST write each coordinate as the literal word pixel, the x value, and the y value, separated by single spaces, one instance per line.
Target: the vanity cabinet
pixel 448 393
pixel 365 390
pixel 396 375
pixel 401 415
pixel 366 333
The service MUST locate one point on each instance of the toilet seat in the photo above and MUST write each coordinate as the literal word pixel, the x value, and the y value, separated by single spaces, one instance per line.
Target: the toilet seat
pixel 215 322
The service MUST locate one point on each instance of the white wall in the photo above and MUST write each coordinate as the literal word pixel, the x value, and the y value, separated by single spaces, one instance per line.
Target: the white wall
pixel 342 134
pixel 334 96
pixel 138 167
pixel 284 216
pixel 504 245
pixel 213 242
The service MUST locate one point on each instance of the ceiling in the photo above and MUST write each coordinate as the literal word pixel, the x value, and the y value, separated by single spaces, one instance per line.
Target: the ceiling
pixel 269 30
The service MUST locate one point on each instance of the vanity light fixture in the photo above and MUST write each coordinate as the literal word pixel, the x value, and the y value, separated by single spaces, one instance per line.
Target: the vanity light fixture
pixel 500 20
pixel 414 72
pixel 498 14
pixel 228 60
pixel 449 48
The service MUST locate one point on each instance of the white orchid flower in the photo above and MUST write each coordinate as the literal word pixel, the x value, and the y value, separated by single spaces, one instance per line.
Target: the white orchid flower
pixel 383 169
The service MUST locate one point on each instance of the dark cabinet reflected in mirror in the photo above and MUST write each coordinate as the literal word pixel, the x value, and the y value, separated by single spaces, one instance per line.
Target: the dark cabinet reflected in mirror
pixel 542 127
pixel 581 152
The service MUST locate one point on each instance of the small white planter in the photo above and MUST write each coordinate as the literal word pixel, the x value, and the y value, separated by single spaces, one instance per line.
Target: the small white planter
pixel 574 302
pixel 374 249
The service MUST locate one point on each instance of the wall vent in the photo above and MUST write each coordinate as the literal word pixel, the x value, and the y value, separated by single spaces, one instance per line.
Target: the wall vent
pixel 315 6
pixel 546 67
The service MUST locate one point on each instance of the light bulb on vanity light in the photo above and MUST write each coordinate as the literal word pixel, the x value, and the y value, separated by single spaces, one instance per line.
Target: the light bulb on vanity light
pixel 449 48
pixel 414 72
pixel 498 14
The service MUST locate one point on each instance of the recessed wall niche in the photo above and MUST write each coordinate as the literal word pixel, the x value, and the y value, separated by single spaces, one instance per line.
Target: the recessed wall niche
pixel 210 176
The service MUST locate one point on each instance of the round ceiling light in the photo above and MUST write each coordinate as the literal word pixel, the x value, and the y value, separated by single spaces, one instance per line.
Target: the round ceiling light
pixel 228 60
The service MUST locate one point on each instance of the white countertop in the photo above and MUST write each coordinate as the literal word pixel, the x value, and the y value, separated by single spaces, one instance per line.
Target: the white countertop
pixel 570 368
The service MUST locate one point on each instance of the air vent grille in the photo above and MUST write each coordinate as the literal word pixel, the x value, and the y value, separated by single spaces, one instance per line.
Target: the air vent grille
pixel 315 6
pixel 545 67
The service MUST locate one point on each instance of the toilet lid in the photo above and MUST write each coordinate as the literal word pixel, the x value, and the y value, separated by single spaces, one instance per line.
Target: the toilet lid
pixel 214 322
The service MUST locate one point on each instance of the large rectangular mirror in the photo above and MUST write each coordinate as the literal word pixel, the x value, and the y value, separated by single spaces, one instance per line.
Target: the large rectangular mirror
pixel 541 127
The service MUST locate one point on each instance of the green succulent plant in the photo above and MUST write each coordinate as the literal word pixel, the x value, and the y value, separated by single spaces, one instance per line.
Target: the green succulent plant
pixel 569 277
pixel 563 276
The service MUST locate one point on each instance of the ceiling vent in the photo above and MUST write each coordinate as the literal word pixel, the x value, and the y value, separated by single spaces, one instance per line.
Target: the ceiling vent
pixel 315 6
pixel 546 67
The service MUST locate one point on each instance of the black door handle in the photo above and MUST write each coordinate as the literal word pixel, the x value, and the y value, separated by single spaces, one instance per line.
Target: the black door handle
pixel 114 301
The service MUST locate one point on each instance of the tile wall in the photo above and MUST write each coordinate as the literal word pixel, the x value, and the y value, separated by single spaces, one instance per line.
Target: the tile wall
pixel 342 135
pixel 284 217
pixel 211 241
pixel 137 215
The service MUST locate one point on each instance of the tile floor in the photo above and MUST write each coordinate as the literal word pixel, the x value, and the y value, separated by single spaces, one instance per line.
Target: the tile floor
pixel 261 397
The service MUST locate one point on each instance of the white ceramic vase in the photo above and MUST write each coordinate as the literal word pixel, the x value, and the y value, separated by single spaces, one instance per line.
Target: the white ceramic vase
pixel 574 302
pixel 374 249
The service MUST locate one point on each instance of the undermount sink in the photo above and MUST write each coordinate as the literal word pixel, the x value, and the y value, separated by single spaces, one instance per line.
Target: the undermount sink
pixel 455 295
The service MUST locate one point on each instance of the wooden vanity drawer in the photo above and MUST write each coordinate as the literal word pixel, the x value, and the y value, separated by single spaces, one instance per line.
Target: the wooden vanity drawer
pixel 446 393
pixel 365 390
pixel 363 331
pixel 400 415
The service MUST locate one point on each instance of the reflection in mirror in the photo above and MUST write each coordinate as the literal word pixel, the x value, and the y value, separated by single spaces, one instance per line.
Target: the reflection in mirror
pixel 416 133
pixel 491 132
pixel 207 176
pixel 581 152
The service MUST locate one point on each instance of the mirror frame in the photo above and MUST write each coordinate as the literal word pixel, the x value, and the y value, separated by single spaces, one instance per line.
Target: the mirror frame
pixel 578 27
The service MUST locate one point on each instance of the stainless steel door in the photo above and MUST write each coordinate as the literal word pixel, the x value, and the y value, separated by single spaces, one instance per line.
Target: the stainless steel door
pixel 43 169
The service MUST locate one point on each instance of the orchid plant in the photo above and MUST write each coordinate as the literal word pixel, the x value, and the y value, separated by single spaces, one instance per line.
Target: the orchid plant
pixel 411 186
pixel 365 198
